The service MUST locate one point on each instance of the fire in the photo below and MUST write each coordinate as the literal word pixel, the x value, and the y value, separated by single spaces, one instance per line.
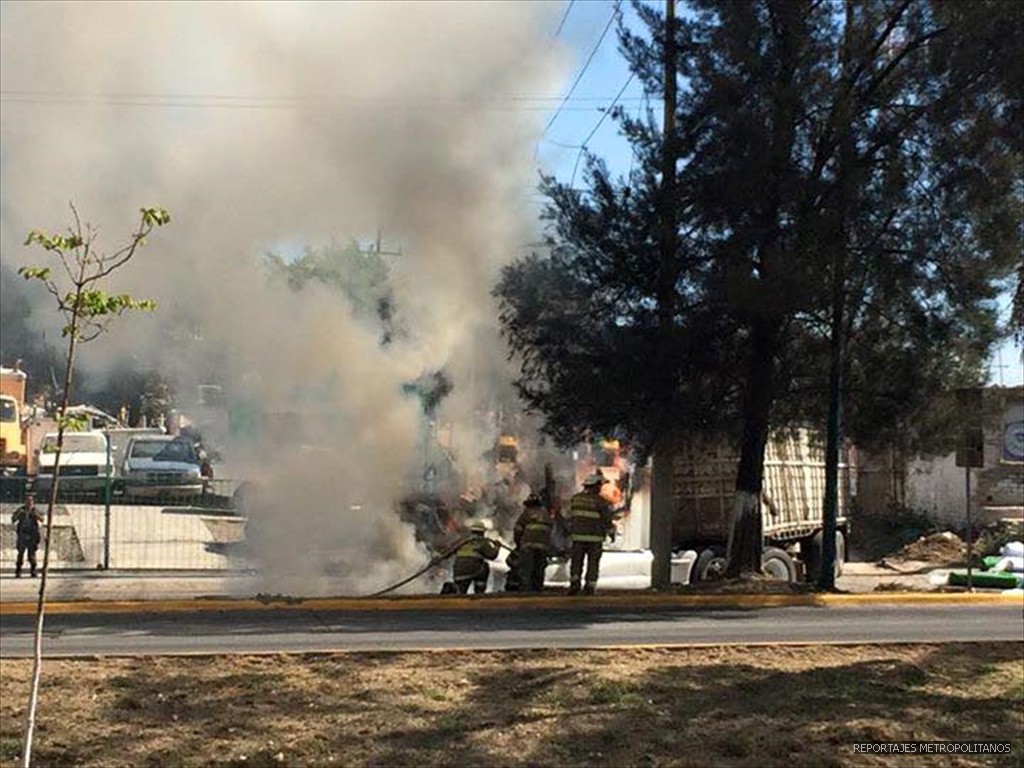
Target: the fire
pixel 607 458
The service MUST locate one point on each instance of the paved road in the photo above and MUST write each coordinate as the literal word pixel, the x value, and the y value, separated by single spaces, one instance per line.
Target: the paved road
pixel 177 585
pixel 309 630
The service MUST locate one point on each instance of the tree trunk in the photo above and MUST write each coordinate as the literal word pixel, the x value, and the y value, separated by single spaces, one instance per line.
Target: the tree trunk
pixel 834 425
pixel 668 277
pixel 37 657
pixel 661 516
pixel 746 537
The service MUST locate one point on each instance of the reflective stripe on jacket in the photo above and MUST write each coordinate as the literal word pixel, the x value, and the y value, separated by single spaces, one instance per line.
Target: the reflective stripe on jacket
pixel 471 555
pixel 537 535
pixel 589 517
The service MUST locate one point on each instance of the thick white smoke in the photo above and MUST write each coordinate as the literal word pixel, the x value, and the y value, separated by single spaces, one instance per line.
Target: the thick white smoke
pixel 258 124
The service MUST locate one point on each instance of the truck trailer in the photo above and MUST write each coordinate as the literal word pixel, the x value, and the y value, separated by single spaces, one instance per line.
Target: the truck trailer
pixel 13 449
pixel 792 503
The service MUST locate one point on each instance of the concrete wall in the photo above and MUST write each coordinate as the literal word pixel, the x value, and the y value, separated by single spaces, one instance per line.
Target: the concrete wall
pixel 1000 483
pixel 879 481
pixel 937 486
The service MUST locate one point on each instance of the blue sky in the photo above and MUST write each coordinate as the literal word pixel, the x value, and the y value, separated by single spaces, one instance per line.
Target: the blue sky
pixel 602 80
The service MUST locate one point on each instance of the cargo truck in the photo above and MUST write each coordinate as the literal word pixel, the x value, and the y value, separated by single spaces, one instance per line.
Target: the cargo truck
pixel 13 448
pixel 792 499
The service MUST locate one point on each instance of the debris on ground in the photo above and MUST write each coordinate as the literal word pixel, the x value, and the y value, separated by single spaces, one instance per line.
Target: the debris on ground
pixel 1010 558
pixel 944 548
pixel 894 586
pixel 754 584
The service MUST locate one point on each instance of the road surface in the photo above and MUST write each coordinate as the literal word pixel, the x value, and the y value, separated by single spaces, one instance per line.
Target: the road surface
pixel 298 630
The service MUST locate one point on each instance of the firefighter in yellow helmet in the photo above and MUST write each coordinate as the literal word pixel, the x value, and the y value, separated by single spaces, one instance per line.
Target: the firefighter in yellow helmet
pixel 470 566
pixel 532 534
pixel 590 521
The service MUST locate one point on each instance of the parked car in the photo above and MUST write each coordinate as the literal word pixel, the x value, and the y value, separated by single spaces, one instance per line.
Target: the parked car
pixel 119 438
pixel 162 466
pixel 83 463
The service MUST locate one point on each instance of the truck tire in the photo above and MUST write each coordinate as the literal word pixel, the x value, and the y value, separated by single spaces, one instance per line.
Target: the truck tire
pixel 813 556
pixel 710 565
pixel 777 564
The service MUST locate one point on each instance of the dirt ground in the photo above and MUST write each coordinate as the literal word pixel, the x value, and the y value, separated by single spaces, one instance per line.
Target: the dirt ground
pixel 945 548
pixel 781 706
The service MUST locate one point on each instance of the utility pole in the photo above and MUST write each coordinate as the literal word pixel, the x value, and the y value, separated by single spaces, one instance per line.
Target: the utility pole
pixel 661 480
pixel 834 425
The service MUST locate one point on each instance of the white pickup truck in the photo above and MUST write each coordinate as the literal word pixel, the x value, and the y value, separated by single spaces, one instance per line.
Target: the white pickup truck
pixel 83 463
pixel 162 467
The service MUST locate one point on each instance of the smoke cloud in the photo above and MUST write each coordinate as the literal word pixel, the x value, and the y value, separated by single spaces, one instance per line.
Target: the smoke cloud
pixel 266 126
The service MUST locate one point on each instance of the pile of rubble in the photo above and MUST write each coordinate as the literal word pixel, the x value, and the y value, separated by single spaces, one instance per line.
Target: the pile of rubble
pixel 944 548
pixel 757 584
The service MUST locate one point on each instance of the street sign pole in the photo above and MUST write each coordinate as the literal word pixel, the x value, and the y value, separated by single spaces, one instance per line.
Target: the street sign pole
pixel 106 512
pixel 970 537
pixel 970 452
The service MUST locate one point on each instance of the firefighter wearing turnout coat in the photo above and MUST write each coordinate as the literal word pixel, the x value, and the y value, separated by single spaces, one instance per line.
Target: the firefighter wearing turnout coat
pixel 470 566
pixel 532 534
pixel 590 521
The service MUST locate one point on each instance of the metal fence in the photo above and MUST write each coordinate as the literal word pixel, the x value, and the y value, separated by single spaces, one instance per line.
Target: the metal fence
pixel 76 489
pixel 134 530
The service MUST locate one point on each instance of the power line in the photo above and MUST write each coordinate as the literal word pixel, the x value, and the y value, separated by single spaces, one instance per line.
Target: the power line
pixel 562 144
pixel 604 114
pixel 632 145
pixel 500 104
pixel 564 17
pixel 16 93
pixel 579 76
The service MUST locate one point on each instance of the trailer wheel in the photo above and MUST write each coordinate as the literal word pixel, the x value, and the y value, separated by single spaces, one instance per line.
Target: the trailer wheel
pixel 777 564
pixel 710 565
pixel 813 556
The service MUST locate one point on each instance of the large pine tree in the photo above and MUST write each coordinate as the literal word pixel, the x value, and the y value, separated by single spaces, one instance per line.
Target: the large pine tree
pixel 849 189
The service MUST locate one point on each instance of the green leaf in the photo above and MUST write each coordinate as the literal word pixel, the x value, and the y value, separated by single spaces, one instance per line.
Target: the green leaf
pixel 35 236
pixel 57 243
pixel 34 273
pixel 155 216
pixel 73 422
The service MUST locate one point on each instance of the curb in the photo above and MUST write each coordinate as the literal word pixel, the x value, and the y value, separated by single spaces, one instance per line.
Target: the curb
pixel 623 603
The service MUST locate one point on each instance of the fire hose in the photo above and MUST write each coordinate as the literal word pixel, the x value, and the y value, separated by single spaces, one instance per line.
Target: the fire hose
pixel 435 561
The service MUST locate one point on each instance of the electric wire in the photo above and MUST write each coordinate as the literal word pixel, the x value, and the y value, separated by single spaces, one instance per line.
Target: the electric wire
pixel 564 17
pixel 586 65
pixel 632 145
pixel 224 101
pixel 604 114
pixel 562 144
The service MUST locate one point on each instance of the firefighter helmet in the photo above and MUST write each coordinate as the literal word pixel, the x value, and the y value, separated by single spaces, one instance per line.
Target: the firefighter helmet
pixel 594 479
pixel 478 526
pixel 533 500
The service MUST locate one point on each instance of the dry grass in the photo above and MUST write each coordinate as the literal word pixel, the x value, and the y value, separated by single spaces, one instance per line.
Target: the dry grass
pixel 787 706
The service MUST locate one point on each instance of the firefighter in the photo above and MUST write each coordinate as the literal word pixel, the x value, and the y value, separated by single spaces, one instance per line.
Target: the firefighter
pixel 590 521
pixel 514 577
pixel 532 534
pixel 25 521
pixel 470 566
